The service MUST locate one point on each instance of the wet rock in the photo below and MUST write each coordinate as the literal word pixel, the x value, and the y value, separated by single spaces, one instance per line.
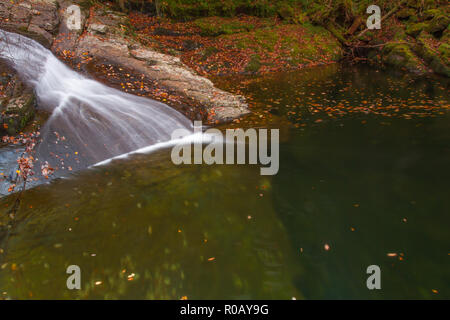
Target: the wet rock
pixel 104 37
pixel 44 15
pixel 35 19
pixel 69 29
pixel 98 28
pixel 40 35
pixel 169 72
pixel 17 103
pixel 18 113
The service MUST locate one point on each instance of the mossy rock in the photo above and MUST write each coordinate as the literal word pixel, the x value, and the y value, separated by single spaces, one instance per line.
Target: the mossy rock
pixel 400 35
pixel 415 29
pixel 286 12
pixel 438 24
pixel 444 50
pixel 301 18
pixel 405 13
pixel 402 57
pixel 413 3
pixel 446 35
pixel 429 4
pixel 435 59
pixel 19 111
pixel 422 4
pixel 431 13
pixel 413 19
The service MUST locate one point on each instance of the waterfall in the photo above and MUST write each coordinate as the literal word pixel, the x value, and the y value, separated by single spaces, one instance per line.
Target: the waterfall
pixel 89 121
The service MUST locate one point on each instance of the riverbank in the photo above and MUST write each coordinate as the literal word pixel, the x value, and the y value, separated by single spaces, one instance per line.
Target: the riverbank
pixel 177 60
pixel 235 37
pixel 170 53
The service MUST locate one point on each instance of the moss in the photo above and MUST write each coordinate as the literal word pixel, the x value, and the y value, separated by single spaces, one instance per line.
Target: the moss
pixel 86 4
pixel 254 64
pixel 209 52
pixel 413 3
pixel 431 13
pixel 289 43
pixel 421 4
pixel 413 19
pixel 216 26
pixel 366 36
pixel 446 35
pixel 286 12
pixel 444 50
pixel 337 11
pixel 405 13
pixel 315 44
pixel 401 56
pixel 415 29
pixel 337 33
pixel 429 4
pixel 431 57
pixel 266 39
pixel 400 35
pixel 19 113
pixel 438 24
pixel 191 9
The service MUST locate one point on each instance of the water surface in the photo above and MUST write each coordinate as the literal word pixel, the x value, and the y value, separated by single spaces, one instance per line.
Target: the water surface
pixel 363 173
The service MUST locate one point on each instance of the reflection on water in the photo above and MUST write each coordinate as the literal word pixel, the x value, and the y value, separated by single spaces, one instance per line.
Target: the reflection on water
pixel 369 183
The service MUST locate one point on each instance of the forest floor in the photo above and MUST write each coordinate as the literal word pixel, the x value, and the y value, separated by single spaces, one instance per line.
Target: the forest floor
pixel 243 44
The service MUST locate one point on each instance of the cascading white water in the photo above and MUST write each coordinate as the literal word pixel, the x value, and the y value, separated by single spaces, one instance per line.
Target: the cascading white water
pixel 97 122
